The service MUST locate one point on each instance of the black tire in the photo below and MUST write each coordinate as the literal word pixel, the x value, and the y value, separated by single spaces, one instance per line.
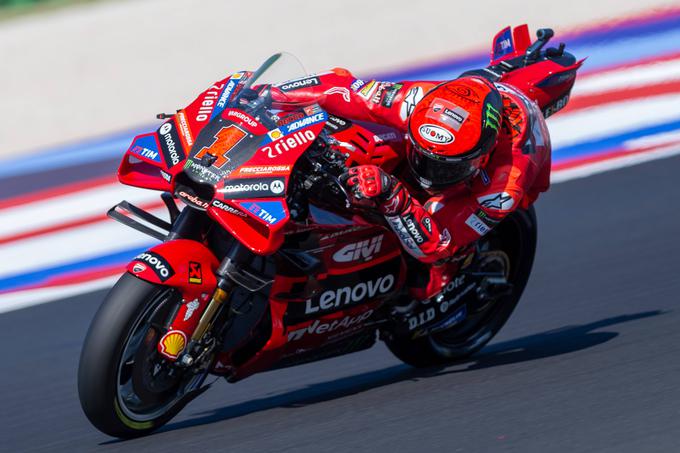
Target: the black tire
pixel 517 234
pixel 120 316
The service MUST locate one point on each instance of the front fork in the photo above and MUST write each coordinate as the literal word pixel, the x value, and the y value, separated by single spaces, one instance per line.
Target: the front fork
pixel 232 272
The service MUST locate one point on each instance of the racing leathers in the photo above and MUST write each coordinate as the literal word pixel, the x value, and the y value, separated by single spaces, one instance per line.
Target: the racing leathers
pixel 433 226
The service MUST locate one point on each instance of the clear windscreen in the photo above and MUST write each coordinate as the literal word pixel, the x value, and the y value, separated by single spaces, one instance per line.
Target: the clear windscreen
pixel 277 69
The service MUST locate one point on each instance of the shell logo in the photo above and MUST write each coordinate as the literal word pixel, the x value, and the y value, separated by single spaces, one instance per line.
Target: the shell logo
pixel 173 343
pixel 275 134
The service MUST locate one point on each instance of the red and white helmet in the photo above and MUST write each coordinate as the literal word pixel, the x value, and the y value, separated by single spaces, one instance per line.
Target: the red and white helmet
pixel 452 130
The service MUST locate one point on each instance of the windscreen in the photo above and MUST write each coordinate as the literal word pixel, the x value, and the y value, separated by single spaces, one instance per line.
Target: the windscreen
pixel 249 120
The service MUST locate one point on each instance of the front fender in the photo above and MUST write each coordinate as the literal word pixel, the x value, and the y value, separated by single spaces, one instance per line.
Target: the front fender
pixel 186 265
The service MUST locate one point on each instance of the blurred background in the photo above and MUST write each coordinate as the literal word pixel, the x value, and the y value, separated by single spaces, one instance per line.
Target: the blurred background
pixel 81 78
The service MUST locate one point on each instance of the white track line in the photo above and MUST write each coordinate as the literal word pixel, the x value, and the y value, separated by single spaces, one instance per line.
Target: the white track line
pixel 613 164
pixel 633 77
pixel 611 119
pixel 70 207
pixel 16 301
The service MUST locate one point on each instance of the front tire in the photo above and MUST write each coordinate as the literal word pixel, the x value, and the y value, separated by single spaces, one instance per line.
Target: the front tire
pixel 517 237
pixel 126 388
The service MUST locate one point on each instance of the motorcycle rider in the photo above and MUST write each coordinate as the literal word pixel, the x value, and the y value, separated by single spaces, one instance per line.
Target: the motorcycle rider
pixel 476 151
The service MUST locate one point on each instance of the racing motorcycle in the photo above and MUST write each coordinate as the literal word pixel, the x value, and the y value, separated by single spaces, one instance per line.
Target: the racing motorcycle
pixel 268 266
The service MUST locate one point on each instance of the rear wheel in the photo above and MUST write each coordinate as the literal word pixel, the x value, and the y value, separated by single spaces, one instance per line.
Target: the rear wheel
pixel 126 387
pixel 508 249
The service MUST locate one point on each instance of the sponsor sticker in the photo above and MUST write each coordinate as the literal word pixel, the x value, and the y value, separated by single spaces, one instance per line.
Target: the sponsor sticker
pixel 399 227
pixel 263 170
pixel 357 84
pixel 305 122
pixel 192 200
pixel 277 186
pixel 502 201
pixel 170 144
pixel 299 84
pixel 413 96
pixel 359 251
pixel 191 308
pixel 413 228
pixel 146 147
pixel 242 117
pixel 367 91
pixel 318 327
pixel 448 113
pixel 226 94
pixel 173 343
pixel 444 238
pixel 208 101
pixel 157 263
pixel 427 223
pixel 271 212
pixel 390 94
pixel 477 225
pixel 225 207
pixel 336 124
pixel 503 44
pixel 435 134
pixel 184 128
pixel 342 297
pixel 288 143
pixel 195 273
pixel 138 268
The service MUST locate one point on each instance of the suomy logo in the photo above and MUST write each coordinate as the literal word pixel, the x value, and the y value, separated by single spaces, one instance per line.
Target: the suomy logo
pixel 334 298
pixel 435 134
pixel 359 250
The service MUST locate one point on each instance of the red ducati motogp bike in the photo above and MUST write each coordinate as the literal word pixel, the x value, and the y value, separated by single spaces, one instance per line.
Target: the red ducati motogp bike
pixel 267 265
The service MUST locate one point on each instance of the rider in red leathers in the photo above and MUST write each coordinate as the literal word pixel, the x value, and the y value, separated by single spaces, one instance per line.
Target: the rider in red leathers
pixel 476 151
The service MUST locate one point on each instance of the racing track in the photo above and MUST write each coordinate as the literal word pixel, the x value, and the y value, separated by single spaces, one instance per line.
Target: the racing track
pixel 589 361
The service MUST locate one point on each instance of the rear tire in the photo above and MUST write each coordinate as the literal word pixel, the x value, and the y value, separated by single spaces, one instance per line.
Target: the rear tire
pixel 131 306
pixel 517 234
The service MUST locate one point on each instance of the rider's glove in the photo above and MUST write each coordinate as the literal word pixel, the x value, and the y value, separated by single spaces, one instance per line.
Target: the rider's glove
pixel 370 187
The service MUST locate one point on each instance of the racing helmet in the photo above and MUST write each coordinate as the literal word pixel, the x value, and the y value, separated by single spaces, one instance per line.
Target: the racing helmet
pixel 452 130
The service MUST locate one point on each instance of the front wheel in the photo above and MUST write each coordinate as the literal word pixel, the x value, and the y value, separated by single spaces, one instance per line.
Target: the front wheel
pixel 513 244
pixel 126 388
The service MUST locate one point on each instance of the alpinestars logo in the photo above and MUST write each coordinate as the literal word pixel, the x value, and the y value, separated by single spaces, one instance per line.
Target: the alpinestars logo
pixel 499 201
pixel 413 96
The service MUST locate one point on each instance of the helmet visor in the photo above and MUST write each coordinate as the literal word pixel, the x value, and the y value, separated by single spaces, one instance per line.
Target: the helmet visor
pixel 433 172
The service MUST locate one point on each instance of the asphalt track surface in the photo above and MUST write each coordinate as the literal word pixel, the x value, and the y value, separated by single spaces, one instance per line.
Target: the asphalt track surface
pixel 588 362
